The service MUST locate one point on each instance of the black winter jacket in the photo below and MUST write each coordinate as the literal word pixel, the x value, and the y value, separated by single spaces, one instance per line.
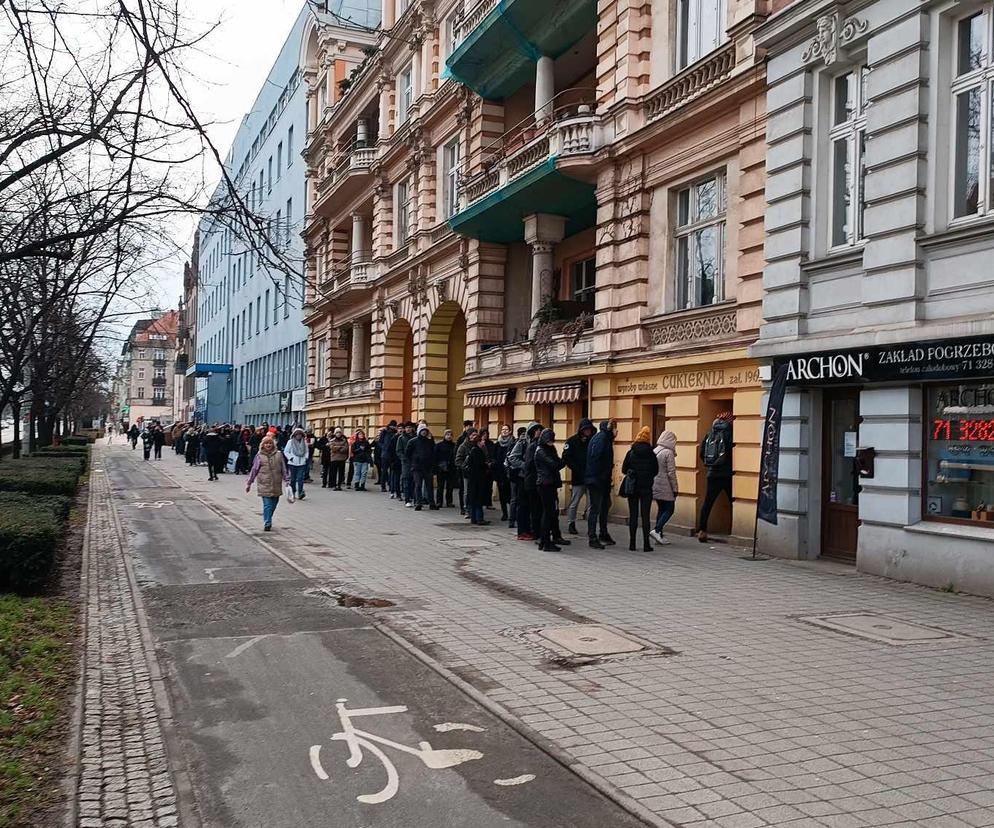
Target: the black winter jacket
pixel 547 466
pixel 575 452
pixel 642 460
pixel 362 451
pixel 421 454
pixel 600 457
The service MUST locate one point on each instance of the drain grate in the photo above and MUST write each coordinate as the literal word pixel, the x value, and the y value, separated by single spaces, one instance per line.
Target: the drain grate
pixel 885 629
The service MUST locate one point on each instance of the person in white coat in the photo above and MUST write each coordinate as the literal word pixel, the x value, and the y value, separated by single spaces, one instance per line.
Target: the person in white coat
pixel 110 431
pixel 664 486
pixel 296 452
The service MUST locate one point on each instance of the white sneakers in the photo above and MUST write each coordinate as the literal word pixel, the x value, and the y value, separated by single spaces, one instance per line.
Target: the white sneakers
pixel 658 538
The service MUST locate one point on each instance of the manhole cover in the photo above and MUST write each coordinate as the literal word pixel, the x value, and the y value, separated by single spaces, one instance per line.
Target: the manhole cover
pixel 881 628
pixel 588 639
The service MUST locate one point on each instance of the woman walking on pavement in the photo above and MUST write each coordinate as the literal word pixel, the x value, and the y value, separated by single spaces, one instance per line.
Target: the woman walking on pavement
pixel 639 469
pixel 664 487
pixel 548 481
pixel 361 456
pixel 269 472
pixel 296 453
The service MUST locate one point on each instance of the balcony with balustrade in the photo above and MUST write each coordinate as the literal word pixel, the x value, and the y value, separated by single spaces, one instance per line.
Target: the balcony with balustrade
pixel 541 165
pixel 356 276
pixel 498 42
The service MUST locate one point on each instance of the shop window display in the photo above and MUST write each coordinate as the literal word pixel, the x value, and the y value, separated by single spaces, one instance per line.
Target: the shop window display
pixel 959 455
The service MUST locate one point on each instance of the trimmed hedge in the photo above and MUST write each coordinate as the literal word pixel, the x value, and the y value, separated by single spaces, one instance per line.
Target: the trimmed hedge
pixel 76 440
pixel 29 542
pixel 23 476
pixel 57 504
pixel 80 453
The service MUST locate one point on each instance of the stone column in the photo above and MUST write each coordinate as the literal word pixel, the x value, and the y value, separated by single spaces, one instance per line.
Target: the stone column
pixel 357 369
pixel 361 132
pixel 545 88
pixel 358 236
pixel 542 232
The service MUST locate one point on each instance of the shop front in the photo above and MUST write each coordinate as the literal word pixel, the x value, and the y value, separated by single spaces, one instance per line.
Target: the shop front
pixel 887 461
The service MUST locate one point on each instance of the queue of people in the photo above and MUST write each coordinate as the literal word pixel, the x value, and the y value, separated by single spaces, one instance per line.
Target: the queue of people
pixel 520 473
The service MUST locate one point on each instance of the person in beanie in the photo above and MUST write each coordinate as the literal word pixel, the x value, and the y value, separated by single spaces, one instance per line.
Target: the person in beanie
pixel 548 481
pixel 269 469
pixel 362 454
pixel 421 456
pixel 516 465
pixel 716 455
pixel 513 481
pixel 639 469
pixel 338 452
pixel 600 469
pixel 462 458
pixel 575 457
pixel 528 477
pixel 448 474
pixel 406 480
pixel 296 452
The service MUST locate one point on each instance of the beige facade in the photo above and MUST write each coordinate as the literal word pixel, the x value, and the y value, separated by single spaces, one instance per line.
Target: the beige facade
pixel 598 250
pixel 148 370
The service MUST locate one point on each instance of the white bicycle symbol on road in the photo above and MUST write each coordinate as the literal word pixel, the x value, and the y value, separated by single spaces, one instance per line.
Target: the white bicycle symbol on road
pixel 156 504
pixel 358 739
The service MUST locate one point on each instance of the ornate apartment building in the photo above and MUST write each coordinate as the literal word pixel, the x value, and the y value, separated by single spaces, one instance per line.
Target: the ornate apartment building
pixel 147 370
pixel 547 211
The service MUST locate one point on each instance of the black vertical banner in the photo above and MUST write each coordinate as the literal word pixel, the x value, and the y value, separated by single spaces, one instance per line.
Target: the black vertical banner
pixel 769 461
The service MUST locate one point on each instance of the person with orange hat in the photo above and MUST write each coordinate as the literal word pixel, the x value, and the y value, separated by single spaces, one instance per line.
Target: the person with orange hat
pixel 639 469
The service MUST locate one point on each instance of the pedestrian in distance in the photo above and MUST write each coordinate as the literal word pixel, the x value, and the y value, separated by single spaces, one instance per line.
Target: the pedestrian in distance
pixel 338 456
pixel 527 531
pixel 513 474
pixel 639 470
pixel 716 455
pixel 548 481
pixel 575 457
pixel 406 478
pixel 158 441
pixel 598 475
pixel 192 446
pixel 362 454
pixel 475 473
pixel 214 448
pixel 501 448
pixel 664 487
pixel 146 443
pixel 421 457
pixel 296 452
pixel 462 459
pixel 110 432
pixel 309 439
pixel 530 483
pixel 269 473
pixel 133 436
pixel 446 472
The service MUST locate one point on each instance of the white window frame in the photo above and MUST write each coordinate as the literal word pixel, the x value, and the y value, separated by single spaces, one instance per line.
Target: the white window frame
pixel 982 80
pixel 449 32
pixel 141 353
pixel 321 369
pixel 159 394
pixel 580 294
pixel 688 293
pixel 451 159
pixel 852 134
pixel 158 373
pixel 405 93
pixel 141 392
pixel 402 211
pixel 695 46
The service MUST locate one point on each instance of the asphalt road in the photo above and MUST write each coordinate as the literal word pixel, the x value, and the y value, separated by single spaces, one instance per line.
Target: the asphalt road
pixel 263 668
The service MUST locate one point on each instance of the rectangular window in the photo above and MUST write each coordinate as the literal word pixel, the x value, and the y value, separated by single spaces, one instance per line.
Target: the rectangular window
pixel 141 373
pixel 700 243
pixel 405 94
pixel 402 217
pixel 158 354
pixel 141 353
pixel 269 177
pixel 141 392
pixel 959 468
pixel 973 116
pixel 584 281
pixel 244 327
pixel 258 314
pixel 289 146
pixel 250 320
pixel 449 33
pixel 700 29
pixel 286 297
pixel 279 160
pixel 450 178
pixel 847 137
pixel 159 373
pixel 158 394
pixel 267 310
pixel 320 370
pixel 289 219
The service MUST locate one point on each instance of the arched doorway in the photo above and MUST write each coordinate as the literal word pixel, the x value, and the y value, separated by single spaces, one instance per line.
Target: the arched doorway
pixel 445 366
pixel 398 375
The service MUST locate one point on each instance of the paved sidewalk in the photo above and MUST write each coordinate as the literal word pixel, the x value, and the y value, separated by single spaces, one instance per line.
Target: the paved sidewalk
pixel 124 777
pixel 745 715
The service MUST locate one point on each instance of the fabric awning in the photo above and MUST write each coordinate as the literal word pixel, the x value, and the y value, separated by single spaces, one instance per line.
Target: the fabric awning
pixel 488 399
pixel 565 392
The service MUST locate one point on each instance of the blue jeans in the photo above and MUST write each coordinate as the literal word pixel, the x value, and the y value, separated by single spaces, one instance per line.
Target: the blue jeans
pixel 297 475
pixel 269 505
pixel 664 513
pixel 361 472
pixel 476 513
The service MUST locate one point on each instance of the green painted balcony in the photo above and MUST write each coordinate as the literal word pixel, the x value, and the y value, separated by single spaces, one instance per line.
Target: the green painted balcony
pixel 498 42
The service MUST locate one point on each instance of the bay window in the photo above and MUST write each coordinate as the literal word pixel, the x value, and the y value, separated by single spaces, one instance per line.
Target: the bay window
pixel 700 242
pixel 973 123
pixel 847 141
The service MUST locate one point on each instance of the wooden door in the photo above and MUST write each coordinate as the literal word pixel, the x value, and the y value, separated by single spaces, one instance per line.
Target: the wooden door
pixel 840 479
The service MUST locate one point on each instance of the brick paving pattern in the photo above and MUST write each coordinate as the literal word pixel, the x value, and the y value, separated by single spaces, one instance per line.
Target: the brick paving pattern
pixel 124 775
pixel 757 719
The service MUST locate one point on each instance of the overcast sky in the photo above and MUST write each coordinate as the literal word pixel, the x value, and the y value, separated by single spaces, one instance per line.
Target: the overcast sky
pixel 226 76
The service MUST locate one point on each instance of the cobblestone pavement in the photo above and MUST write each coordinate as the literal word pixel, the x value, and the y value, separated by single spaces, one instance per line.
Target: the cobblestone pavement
pixel 124 777
pixel 751 717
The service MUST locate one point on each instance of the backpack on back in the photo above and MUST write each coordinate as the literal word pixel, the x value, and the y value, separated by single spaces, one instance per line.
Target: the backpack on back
pixel 715 448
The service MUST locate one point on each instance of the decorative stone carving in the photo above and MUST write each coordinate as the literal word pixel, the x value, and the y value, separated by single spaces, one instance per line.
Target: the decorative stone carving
pixel 833 33
pixel 417 286
pixel 379 309
pixel 698 329
pixel 442 289
pixel 393 305
pixel 344 337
